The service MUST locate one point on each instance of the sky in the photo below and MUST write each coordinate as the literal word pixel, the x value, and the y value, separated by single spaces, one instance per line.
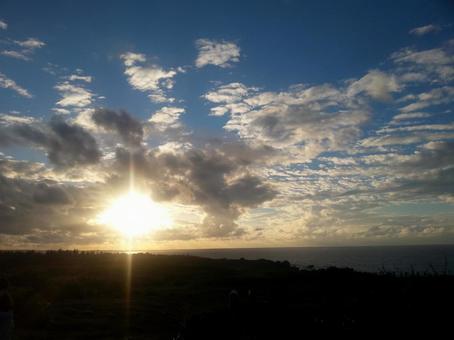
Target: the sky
pixel 252 123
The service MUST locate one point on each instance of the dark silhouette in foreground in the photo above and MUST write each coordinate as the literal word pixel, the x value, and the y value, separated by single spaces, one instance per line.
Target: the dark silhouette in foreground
pixel 6 311
pixel 76 295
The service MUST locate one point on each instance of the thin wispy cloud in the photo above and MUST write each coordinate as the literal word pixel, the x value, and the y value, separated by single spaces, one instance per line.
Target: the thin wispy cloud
pixel 423 30
pixel 8 83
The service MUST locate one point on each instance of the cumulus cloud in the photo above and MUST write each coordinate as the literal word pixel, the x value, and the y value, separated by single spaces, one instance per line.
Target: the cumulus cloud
pixel 167 117
pixel 211 178
pixel 218 53
pixel 423 30
pixel 50 194
pixel 121 122
pixel 150 78
pixel 8 83
pixel 303 121
pixel 377 84
pixel 298 154
pixel 73 95
pixel 66 145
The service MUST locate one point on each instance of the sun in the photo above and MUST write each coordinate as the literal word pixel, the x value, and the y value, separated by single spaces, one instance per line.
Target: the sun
pixel 135 214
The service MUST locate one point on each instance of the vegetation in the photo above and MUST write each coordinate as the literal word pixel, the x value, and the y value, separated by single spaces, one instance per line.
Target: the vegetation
pixel 82 295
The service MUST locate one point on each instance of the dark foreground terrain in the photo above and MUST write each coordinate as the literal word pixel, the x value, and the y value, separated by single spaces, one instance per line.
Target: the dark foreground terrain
pixel 72 295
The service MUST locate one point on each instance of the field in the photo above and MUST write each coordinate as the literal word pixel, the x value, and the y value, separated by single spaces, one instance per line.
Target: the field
pixel 77 295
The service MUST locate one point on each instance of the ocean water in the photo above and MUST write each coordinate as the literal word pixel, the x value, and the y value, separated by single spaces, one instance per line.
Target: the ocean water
pixel 432 258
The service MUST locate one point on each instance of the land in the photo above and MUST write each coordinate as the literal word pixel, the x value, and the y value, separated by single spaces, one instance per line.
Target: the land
pixel 85 295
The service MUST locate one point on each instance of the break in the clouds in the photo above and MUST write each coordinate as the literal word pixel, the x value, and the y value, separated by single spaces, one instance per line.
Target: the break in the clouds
pixel 301 143
pixel 219 53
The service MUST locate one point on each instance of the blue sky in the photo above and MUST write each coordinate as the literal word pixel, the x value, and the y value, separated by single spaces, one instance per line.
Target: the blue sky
pixel 336 118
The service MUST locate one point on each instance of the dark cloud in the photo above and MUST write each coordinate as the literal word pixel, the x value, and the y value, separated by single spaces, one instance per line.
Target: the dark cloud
pixel 72 145
pixel 433 155
pixel 66 144
pixel 50 194
pixel 217 177
pixel 211 178
pixel 121 122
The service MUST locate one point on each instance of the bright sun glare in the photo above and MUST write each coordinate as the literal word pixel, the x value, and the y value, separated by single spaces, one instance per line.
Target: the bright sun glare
pixel 135 214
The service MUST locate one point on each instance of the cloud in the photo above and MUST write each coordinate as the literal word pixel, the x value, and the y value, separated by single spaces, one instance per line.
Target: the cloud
pixel 66 145
pixel 377 84
pixel 228 94
pixel 149 78
pixel 302 122
pixel 75 77
pixel 50 194
pixel 436 96
pixel 15 54
pixel 73 95
pixel 9 119
pixel 212 178
pixel 30 43
pixel 120 122
pixel 413 115
pixel 423 30
pixel 3 25
pixel 434 65
pixel 27 46
pixel 8 83
pixel 218 53
pixel 167 117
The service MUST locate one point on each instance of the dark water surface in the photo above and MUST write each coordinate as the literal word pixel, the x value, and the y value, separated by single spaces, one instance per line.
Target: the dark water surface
pixel 430 258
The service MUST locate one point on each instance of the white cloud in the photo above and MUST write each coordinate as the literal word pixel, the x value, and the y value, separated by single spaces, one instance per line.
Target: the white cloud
pixel 229 93
pixel 75 77
pixel 436 127
pixel 436 96
pixel 150 78
pixel 167 117
pixel 8 119
pixel 218 53
pixel 303 121
pixel 418 137
pixel 28 47
pixel 73 95
pixel 434 65
pixel 377 84
pixel 84 119
pixel 130 58
pixel 61 111
pixel 7 83
pixel 413 115
pixel 30 43
pixel 419 31
pixel 3 25
pixel 15 54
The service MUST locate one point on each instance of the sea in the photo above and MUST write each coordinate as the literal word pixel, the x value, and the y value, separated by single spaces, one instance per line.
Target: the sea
pixel 430 259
